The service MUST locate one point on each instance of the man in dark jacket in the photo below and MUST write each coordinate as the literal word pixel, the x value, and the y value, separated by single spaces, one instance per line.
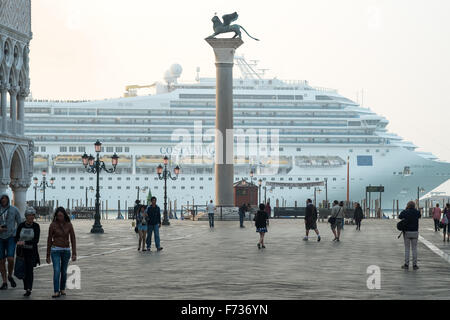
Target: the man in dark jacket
pixel 242 210
pixel 153 224
pixel 311 219
pixel 411 235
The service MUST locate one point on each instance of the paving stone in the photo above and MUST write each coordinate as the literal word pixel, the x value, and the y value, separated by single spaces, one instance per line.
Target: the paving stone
pixel 224 263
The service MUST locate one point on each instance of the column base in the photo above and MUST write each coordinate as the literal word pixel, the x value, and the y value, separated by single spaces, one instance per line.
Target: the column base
pixel 97 229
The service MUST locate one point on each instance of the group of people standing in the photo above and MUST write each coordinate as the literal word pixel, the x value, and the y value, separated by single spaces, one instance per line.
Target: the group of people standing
pixel 20 239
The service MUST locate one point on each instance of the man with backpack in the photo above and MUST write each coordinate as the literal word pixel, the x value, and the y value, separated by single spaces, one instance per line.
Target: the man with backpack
pixel 311 219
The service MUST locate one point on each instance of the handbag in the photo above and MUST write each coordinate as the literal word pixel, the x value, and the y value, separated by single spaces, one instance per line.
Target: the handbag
pixel 332 220
pixel 444 219
pixel 19 268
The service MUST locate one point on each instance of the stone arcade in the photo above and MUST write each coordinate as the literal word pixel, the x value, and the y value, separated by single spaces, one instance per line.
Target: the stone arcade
pixel 16 151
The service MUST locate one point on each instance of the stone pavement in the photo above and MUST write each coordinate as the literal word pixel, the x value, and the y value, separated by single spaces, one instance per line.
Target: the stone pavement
pixel 224 263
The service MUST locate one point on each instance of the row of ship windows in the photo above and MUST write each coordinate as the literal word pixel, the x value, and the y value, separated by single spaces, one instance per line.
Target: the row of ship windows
pixel 193 179
pixel 182 187
pixel 83 149
pixel 127 149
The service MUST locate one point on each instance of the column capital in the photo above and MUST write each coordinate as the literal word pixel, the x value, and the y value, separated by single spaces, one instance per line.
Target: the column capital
pixel 4 86
pixel 13 90
pixel 19 184
pixel 24 92
pixel 5 182
pixel 224 49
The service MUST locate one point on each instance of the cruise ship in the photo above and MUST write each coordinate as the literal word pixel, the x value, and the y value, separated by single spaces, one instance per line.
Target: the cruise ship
pixel 286 131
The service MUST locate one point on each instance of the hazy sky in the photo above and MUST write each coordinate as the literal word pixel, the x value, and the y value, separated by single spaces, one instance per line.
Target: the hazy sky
pixel 398 51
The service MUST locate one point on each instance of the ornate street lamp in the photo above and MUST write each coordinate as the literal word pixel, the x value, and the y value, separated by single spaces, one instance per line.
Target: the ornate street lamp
pixel 95 166
pixel 163 174
pixel 43 185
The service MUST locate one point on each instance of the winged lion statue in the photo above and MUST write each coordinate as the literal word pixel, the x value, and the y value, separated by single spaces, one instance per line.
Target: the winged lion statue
pixel 224 27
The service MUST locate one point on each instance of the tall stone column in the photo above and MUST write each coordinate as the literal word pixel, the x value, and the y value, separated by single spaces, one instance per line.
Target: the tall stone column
pixel 19 190
pixel 224 50
pixel 13 110
pixel 4 106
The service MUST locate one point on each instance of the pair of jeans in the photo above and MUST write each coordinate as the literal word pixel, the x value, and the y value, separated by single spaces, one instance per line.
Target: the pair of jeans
pixel 153 228
pixel 241 219
pixel 29 260
pixel 60 259
pixel 211 220
pixel 411 238
pixel 358 224
pixel 436 224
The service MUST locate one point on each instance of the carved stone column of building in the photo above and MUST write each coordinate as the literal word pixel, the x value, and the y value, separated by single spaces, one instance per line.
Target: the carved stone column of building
pixel 4 105
pixel 21 111
pixel 19 189
pixel 4 185
pixel 13 111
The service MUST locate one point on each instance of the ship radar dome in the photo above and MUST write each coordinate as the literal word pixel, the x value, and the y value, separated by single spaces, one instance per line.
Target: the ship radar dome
pixel 176 70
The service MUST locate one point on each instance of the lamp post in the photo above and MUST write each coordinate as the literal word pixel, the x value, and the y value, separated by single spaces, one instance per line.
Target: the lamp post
pixel 419 191
pixel 88 189
pixel 316 190
pixel 251 182
pixel 326 192
pixel 265 192
pixel 43 185
pixel 163 174
pixel 95 166
pixel 139 189
pixel 259 187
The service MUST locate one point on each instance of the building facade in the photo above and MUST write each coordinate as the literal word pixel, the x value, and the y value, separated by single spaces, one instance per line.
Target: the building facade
pixel 16 150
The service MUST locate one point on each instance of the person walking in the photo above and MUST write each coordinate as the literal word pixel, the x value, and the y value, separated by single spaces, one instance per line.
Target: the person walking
pixel 311 219
pixel 27 238
pixel 436 217
pixel 60 236
pixel 358 215
pixel 153 223
pixel 141 220
pixel 337 212
pixel 242 210
pixel 210 209
pixel 411 233
pixel 9 220
pixel 260 219
pixel 446 221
